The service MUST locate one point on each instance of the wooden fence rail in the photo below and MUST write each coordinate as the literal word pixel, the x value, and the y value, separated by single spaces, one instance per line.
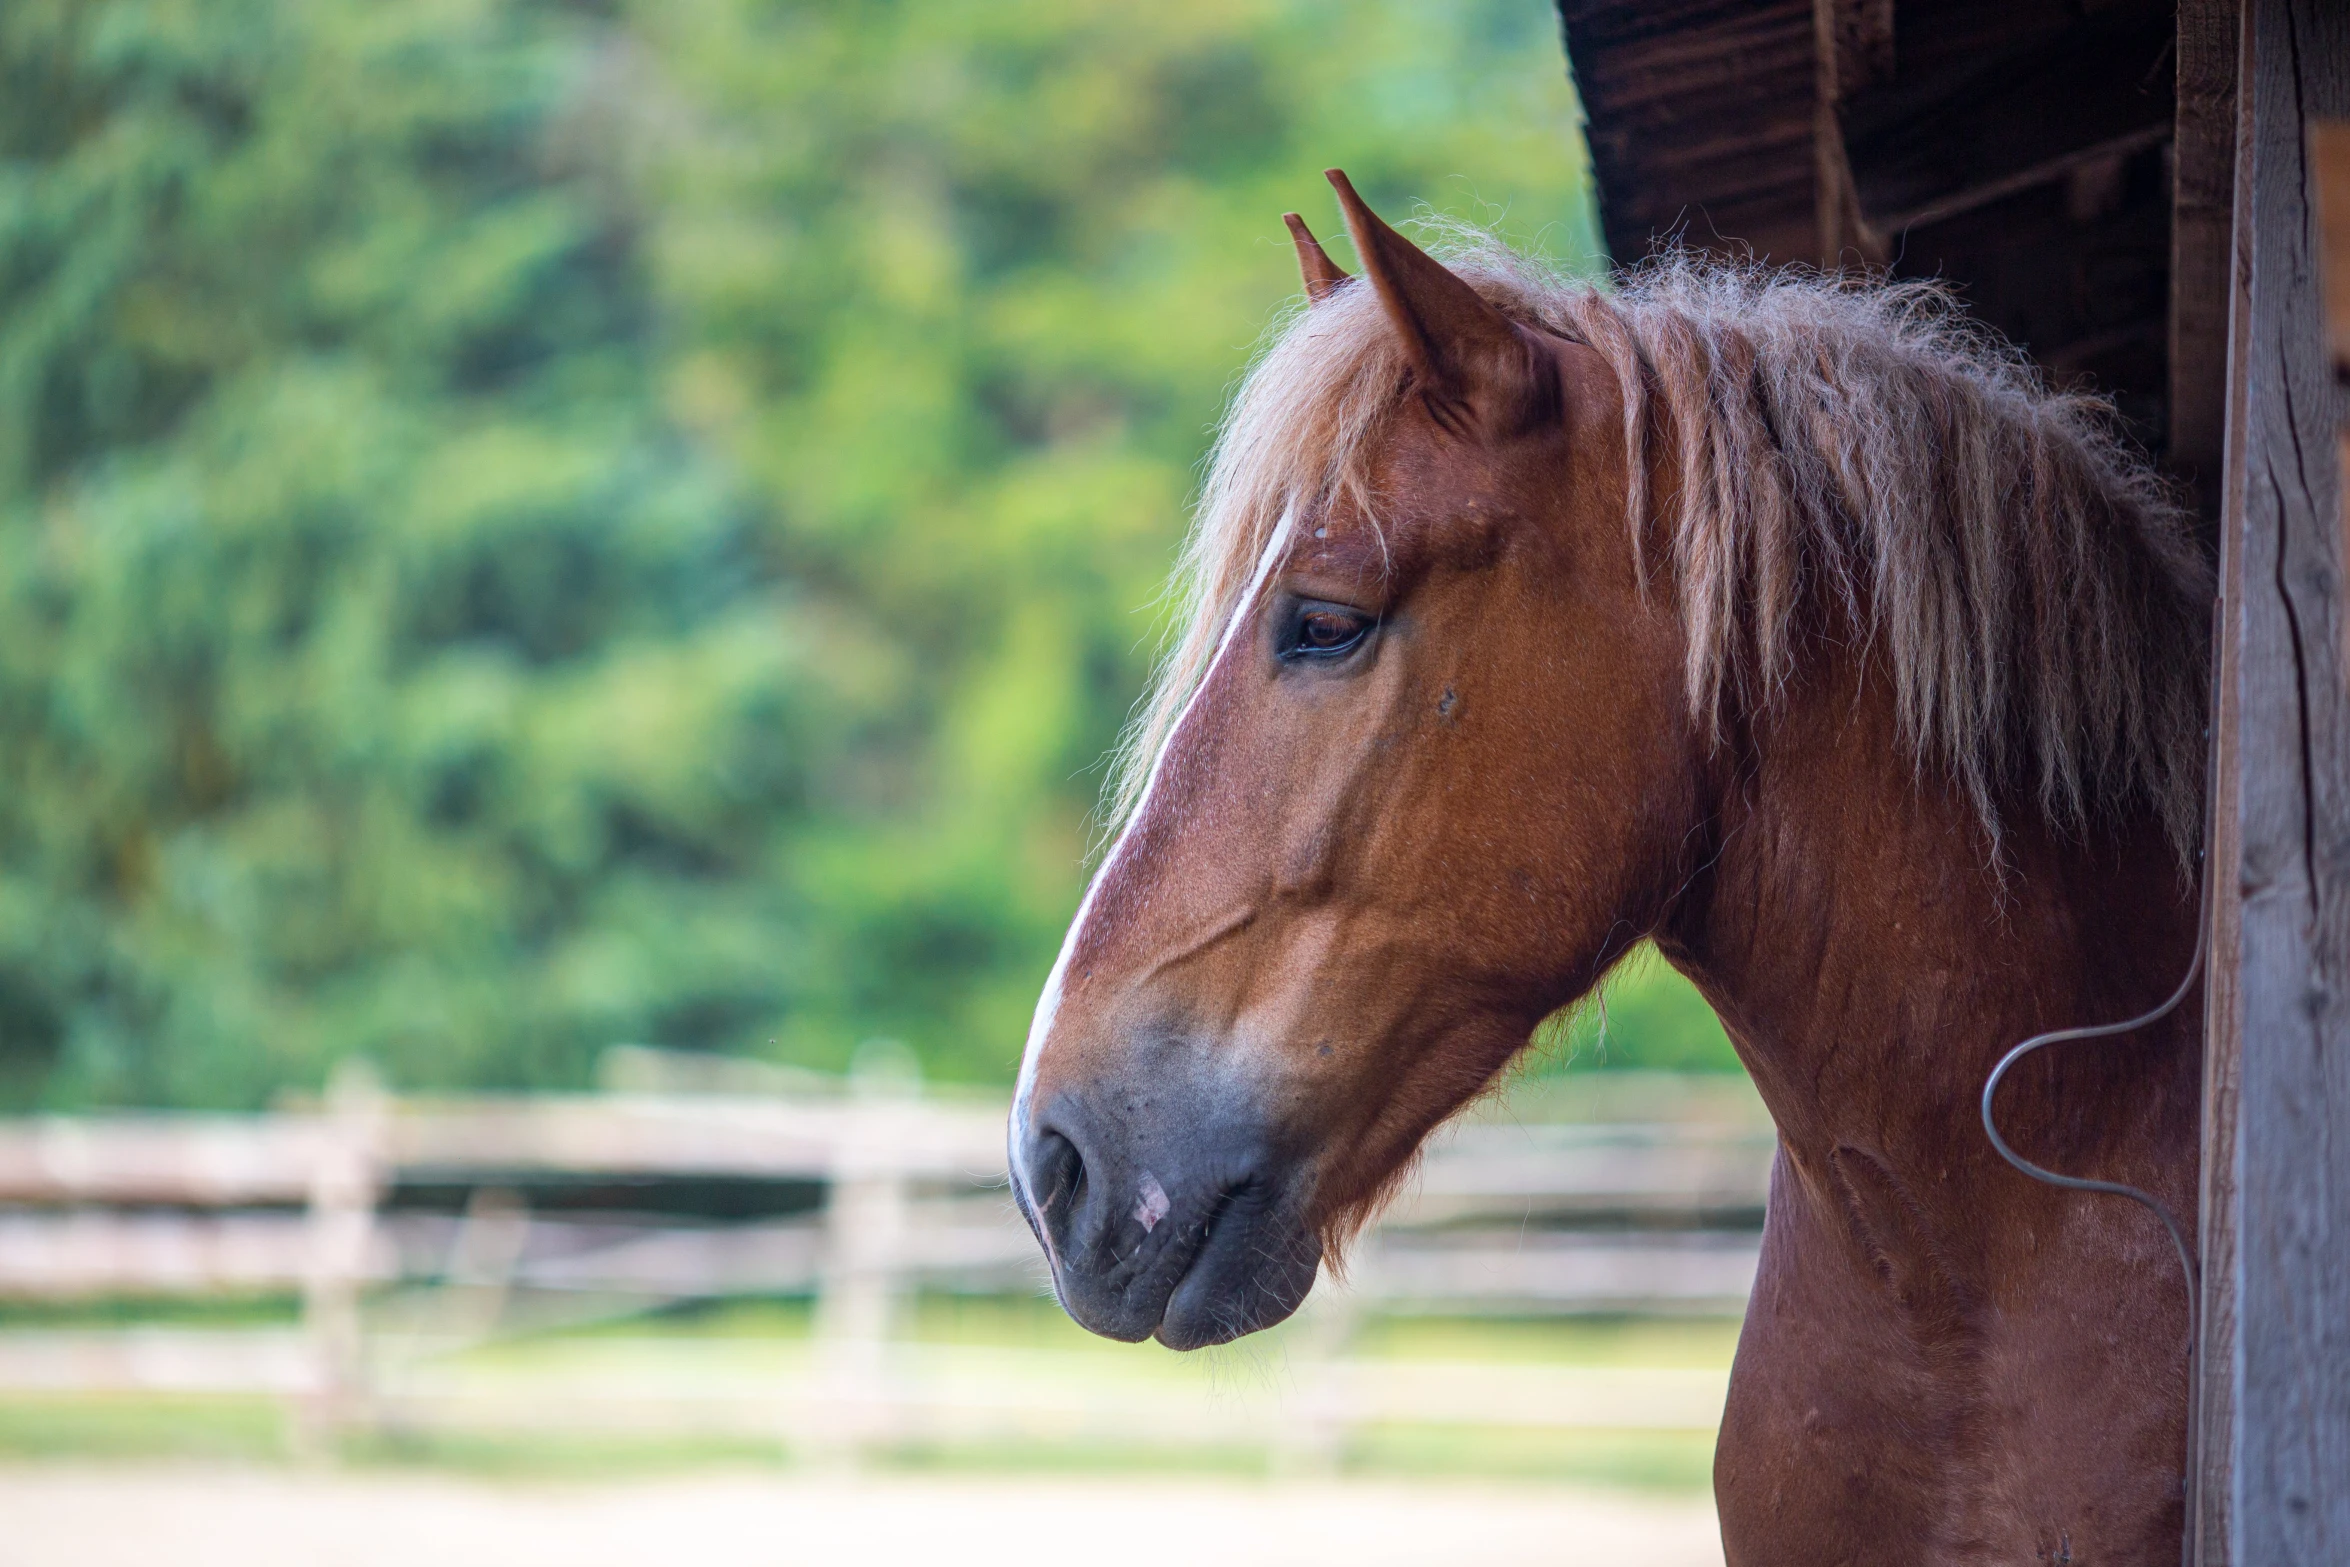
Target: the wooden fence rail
pixel 897 1195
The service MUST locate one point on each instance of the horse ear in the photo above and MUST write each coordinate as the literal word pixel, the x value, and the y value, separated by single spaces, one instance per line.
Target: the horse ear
pixel 1469 358
pixel 1322 274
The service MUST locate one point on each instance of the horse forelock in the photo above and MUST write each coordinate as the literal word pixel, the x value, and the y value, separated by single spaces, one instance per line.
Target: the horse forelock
pixel 1838 457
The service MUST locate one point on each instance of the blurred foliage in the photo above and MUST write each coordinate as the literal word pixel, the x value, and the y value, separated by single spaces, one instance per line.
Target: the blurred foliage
pixel 531 525
pixel 1644 1016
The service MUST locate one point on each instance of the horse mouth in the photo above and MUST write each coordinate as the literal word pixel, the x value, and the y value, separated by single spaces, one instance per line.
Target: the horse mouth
pixel 1250 1267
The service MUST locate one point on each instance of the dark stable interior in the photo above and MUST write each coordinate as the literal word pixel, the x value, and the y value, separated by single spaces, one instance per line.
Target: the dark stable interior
pixel 2020 150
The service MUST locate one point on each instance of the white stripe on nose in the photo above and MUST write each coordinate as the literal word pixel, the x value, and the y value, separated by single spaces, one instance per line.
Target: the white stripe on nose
pixel 1050 1002
pixel 1154 1204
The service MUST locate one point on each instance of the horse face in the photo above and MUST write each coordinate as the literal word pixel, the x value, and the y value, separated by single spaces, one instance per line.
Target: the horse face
pixel 1432 784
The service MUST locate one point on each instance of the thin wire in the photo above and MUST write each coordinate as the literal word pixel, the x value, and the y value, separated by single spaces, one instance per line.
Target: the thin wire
pixel 2079 1183
pixel 2188 1272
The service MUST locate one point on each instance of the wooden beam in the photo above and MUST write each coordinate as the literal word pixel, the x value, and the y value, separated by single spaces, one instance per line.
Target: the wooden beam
pixel 1968 198
pixel 2274 1364
pixel 2203 186
pixel 2009 114
pixel 1738 171
pixel 2329 160
pixel 1831 181
pixel 1852 47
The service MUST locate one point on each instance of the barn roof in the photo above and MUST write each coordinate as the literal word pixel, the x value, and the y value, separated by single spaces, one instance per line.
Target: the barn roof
pixel 2018 148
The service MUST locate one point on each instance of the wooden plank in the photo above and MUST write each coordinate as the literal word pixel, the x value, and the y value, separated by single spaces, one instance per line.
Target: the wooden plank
pixel 1967 198
pixel 1700 120
pixel 2007 117
pixel 2217 29
pixel 231 1161
pixel 2203 185
pixel 156 1360
pixel 1488 1260
pixel 2275 1439
pixel 1517 1272
pixel 1672 1173
pixel 206 1160
pixel 1860 34
pixel 767 1139
pixel 2329 157
pixel 1492 1196
pixel 95 1253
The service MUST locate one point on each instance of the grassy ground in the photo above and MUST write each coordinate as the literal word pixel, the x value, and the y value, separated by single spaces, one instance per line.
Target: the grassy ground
pixel 750 1345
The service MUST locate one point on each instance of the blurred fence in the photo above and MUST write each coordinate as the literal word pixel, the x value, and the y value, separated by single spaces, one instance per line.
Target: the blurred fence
pixel 412 1227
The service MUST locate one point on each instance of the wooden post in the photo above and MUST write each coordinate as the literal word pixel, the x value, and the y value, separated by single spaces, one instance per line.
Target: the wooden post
pixel 2203 186
pixel 482 1260
pixel 862 1279
pixel 1310 1443
pixel 1852 47
pixel 345 1181
pixel 2271 1469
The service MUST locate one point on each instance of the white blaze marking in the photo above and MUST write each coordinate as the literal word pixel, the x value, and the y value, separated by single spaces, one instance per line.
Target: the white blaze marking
pixel 1050 1002
pixel 1154 1204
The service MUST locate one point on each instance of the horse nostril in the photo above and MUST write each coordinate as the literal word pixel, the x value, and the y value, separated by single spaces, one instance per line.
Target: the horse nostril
pixel 1056 1177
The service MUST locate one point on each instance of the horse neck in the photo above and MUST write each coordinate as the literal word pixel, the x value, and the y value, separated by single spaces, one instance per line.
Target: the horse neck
pixel 1872 966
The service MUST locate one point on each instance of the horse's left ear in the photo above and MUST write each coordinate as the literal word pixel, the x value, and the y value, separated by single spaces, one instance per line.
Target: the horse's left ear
pixel 1479 371
pixel 1322 275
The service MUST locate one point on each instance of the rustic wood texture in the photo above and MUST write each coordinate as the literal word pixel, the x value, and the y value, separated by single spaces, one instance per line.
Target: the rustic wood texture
pixel 1538 1216
pixel 2276 1442
pixel 2208 316
pixel 2203 189
pixel 1700 120
pixel 2012 148
pixel 2211 1458
pixel 2329 156
pixel 1943 126
pixel 1511 1218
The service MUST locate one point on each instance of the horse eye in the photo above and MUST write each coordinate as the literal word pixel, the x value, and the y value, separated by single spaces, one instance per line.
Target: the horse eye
pixel 1325 633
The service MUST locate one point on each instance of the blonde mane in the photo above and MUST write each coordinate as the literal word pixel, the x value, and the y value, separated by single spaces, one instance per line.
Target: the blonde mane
pixel 1858 448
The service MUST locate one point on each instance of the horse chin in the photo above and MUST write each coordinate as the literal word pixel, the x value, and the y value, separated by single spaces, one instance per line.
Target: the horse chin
pixel 1255 1270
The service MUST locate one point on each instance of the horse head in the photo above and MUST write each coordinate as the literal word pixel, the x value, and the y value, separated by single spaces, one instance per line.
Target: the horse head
pixel 1424 769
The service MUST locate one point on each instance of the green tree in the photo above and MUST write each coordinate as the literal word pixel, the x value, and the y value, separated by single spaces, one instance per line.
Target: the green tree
pixel 379 671
pixel 525 526
pixel 959 291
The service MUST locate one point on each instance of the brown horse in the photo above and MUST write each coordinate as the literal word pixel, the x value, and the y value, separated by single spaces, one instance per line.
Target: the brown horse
pixel 1785 622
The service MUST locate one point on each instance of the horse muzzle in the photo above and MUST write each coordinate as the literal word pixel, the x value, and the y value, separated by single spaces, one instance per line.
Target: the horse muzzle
pixel 1162 1218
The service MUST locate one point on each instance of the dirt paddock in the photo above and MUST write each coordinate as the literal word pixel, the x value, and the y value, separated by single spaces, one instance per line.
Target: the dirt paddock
pixel 201 1517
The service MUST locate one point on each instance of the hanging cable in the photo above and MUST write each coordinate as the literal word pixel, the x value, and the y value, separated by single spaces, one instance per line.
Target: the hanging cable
pixel 2078 1183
